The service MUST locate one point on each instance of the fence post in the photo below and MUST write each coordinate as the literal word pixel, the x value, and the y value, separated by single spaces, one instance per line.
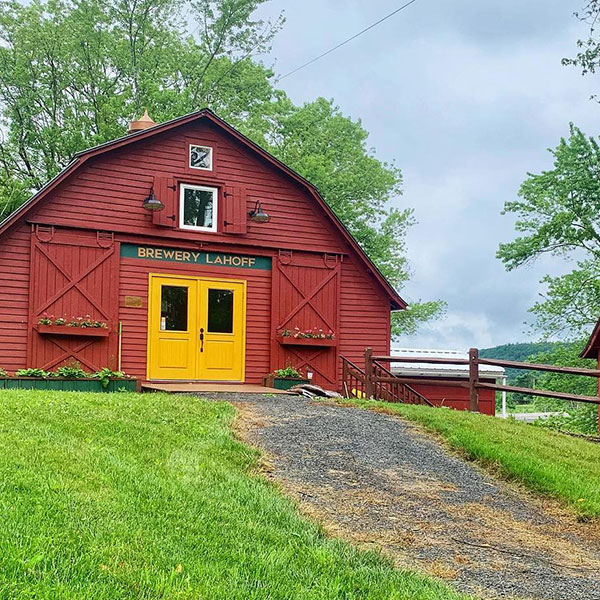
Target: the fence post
pixel 368 373
pixel 598 393
pixel 473 380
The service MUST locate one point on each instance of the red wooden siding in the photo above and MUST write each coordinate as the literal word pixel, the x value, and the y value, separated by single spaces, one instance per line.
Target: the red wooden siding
pixel 109 190
pixel 455 397
pixel 73 274
pixel 364 316
pixel 306 295
pixel 14 293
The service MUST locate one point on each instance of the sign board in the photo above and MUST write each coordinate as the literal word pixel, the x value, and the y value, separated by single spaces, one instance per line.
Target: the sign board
pixel 213 259
pixel 133 301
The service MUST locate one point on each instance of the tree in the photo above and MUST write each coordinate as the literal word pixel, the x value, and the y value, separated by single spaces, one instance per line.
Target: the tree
pixel 588 56
pixel 331 151
pixel 74 72
pixel 559 215
pixel 575 416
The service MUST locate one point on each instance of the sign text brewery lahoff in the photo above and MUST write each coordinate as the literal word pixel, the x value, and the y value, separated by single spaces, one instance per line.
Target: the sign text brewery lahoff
pixel 216 259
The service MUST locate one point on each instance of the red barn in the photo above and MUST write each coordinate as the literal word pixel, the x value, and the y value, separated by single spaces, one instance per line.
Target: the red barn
pixel 243 253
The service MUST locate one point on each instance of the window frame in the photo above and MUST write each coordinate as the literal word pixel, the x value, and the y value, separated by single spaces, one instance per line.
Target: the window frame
pixel 215 212
pixel 187 315
pixel 212 157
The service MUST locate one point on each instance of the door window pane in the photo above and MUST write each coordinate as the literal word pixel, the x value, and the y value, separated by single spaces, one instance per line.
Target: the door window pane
pixel 220 311
pixel 173 308
pixel 199 207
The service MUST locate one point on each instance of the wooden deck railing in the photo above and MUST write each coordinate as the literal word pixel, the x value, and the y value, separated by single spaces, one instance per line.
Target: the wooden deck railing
pixel 379 383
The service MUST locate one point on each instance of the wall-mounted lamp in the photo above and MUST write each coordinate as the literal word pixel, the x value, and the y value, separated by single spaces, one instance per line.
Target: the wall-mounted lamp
pixel 152 203
pixel 258 215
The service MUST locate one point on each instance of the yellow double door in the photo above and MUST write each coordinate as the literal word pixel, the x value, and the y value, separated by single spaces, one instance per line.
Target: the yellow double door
pixel 196 328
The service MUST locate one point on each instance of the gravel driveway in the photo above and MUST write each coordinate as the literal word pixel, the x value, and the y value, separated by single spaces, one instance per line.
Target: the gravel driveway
pixel 382 483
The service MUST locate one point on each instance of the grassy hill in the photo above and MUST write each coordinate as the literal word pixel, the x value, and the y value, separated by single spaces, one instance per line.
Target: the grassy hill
pixel 128 496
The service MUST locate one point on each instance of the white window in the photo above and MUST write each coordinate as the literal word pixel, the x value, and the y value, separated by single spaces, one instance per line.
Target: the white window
pixel 201 157
pixel 198 208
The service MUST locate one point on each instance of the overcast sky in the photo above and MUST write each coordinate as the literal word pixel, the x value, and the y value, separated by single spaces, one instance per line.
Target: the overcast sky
pixel 465 96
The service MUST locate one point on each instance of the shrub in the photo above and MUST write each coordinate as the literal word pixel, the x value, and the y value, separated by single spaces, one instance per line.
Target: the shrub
pixel 106 374
pixel 288 372
pixel 71 372
pixel 31 373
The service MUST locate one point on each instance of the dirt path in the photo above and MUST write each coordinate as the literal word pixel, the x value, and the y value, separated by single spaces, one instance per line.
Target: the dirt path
pixel 383 483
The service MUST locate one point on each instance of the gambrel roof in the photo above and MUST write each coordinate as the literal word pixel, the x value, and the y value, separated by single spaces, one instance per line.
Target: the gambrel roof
pixel 81 157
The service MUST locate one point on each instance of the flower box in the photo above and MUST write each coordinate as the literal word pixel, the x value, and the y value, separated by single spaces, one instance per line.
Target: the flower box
pixel 66 330
pixel 129 384
pixel 283 383
pixel 298 341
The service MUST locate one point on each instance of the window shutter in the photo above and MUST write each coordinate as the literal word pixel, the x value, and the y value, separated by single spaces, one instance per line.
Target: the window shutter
pixel 235 212
pixel 165 189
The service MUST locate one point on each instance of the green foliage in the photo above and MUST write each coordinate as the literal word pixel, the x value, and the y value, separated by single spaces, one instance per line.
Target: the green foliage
pixel 128 496
pixel 582 419
pixel 588 55
pixel 72 74
pixel 70 372
pixel 331 151
pixel 578 417
pixel 31 373
pixel 545 461
pixel 559 215
pixel 288 372
pixel 3 372
pixel 518 352
pixel 106 374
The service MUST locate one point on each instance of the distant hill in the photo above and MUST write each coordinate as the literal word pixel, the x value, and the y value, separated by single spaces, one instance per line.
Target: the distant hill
pixel 517 352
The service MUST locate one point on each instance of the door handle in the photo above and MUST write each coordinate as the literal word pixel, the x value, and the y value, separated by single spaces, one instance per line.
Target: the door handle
pixel 201 339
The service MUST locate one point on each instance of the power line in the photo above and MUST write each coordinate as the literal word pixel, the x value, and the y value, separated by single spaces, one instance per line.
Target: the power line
pixel 310 62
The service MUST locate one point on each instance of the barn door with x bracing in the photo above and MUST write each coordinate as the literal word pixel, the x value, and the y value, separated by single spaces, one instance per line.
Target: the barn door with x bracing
pixel 306 297
pixel 73 274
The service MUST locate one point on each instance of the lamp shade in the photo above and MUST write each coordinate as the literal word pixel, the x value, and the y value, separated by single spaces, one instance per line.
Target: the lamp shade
pixel 258 215
pixel 152 203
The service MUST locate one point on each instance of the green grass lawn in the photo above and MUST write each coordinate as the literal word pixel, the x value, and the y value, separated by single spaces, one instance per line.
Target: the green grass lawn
pixel 548 462
pixel 110 496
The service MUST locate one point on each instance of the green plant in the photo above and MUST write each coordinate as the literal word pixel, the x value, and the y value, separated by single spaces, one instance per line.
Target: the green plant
pixel 580 419
pixel 290 372
pixel 86 321
pixel 3 372
pixel 106 374
pixel 314 333
pixel 45 319
pixel 60 321
pixel 70 372
pixel 31 373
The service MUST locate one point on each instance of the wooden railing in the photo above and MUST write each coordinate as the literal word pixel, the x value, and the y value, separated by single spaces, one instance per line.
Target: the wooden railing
pixel 353 379
pixel 378 383
pixel 474 383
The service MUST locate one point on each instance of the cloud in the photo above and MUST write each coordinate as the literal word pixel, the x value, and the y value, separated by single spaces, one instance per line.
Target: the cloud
pixel 466 97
